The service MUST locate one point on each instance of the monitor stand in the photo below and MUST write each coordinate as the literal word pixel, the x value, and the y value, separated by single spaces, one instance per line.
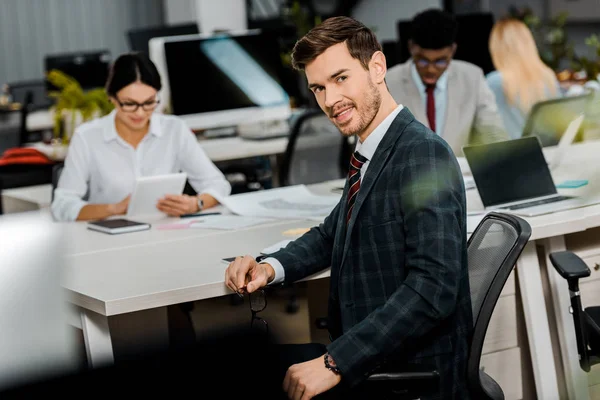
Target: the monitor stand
pixel 226 131
pixel 264 129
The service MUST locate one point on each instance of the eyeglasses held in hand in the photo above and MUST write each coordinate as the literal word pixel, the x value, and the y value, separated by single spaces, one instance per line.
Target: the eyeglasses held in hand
pixel 132 106
pixel 258 302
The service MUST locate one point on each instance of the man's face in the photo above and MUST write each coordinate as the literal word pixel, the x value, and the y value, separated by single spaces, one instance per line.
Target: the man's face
pixel 431 64
pixel 344 89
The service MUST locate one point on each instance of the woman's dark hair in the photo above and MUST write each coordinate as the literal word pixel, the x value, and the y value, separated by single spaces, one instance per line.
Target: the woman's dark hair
pixel 129 68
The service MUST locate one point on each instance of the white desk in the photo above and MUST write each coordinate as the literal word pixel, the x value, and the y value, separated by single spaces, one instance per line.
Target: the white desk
pixel 114 275
pixel 27 198
pixel 217 149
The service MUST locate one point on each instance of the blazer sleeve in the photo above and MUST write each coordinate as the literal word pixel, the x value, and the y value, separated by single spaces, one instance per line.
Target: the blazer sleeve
pixel 487 125
pixel 434 222
pixel 311 252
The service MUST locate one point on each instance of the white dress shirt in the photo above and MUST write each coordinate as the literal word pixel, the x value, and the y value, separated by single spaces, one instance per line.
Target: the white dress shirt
pixel 440 94
pixel 101 163
pixel 367 150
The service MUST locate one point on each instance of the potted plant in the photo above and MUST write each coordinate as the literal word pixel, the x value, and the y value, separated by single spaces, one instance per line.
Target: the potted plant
pixel 74 105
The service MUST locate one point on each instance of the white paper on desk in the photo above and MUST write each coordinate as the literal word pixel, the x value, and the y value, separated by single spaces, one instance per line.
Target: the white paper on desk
pixel 473 221
pixel 276 247
pixel 227 222
pixel 292 202
pixel 469 182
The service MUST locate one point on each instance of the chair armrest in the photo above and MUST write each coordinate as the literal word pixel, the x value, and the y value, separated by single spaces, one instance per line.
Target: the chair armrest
pixel 569 265
pixel 405 373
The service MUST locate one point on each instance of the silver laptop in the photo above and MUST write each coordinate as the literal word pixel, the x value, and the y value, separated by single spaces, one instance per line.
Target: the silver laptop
pixel 513 176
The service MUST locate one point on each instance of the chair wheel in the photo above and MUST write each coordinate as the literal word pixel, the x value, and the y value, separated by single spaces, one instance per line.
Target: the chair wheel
pixel 236 300
pixel 292 307
pixel 321 323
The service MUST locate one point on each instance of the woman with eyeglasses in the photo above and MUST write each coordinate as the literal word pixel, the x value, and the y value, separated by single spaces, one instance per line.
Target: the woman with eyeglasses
pixel 106 155
pixel 521 78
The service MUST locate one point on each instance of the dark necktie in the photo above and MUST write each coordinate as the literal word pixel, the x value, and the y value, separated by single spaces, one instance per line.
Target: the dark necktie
pixel 356 163
pixel 431 106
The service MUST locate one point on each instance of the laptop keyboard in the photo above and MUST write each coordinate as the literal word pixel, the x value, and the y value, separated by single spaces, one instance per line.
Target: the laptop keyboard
pixel 538 202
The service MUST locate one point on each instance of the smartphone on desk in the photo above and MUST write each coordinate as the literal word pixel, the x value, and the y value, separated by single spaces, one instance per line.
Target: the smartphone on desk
pixel 228 260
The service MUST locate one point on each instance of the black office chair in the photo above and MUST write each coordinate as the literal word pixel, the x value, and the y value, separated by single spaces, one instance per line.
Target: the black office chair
pixel 587 321
pixel 316 151
pixel 56 171
pixel 493 250
pixel 1 208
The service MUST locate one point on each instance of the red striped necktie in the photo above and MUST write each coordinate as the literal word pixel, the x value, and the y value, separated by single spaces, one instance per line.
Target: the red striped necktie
pixel 356 163
pixel 431 106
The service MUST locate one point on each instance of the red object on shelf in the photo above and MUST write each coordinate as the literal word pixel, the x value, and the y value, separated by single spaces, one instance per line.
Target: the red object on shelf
pixel 23 155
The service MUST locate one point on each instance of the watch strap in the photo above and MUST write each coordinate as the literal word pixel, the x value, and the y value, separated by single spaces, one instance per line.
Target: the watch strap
pixel 329 364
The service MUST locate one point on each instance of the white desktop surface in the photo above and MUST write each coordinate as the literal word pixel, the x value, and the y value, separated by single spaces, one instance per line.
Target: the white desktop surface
pixel 111 275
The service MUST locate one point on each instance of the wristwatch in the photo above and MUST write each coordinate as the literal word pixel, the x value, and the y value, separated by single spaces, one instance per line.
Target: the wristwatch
pixel 330 364
pixel 200 204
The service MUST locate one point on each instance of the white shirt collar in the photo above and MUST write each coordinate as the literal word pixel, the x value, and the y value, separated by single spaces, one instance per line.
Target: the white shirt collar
pixel 110 131
pixel 368 147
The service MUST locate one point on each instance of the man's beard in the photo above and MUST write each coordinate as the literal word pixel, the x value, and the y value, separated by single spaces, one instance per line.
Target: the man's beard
pixel 365 114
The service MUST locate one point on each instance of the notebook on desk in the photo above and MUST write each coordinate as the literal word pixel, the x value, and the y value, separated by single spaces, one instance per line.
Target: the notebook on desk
pixel 117 226
pixel 513 176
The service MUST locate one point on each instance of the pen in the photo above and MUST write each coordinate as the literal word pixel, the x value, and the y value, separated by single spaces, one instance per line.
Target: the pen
pixel 199 214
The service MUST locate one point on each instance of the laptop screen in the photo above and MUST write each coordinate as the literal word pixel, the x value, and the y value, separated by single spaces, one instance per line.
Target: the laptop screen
pixel 510 171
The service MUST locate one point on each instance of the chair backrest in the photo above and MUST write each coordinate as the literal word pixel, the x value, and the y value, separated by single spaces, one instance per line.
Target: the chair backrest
pixel 316 151
pixel 549 119
pixel 1 209
pixel 493 249
pixel 56 171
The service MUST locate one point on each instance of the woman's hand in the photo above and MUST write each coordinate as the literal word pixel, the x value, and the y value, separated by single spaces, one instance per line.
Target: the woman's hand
pixel 177 205
pixel 120 208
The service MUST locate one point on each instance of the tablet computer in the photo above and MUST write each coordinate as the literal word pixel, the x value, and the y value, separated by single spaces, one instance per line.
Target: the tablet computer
pixel 149 189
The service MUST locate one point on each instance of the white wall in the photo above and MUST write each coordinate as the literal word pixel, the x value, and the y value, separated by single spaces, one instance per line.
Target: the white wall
pixel 221 15
pixel 179 11
pixel 382 15
pixel 30 29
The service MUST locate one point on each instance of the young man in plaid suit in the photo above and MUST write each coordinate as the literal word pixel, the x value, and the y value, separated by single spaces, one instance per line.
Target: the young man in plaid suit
pixel 396 242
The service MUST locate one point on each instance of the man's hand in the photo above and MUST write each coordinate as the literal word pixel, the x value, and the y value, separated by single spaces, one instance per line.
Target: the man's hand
pixel 245 274
pixel 308 379
pixel 176 205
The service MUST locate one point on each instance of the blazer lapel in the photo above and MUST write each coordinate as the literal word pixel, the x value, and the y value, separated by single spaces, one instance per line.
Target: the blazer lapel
pixel 413 100
pixel 379 160
pixel 452 108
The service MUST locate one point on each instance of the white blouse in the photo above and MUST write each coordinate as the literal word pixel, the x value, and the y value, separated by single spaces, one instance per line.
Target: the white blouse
pixel 101 163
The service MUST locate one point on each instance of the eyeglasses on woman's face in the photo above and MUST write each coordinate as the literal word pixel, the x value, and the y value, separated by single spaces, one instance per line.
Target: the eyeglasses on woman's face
pixel 132 106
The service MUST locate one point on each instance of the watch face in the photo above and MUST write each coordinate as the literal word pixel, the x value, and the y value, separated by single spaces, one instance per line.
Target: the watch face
pixel 200 204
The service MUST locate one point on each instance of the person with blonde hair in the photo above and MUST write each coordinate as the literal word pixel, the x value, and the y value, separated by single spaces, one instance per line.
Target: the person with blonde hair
pixel 521 78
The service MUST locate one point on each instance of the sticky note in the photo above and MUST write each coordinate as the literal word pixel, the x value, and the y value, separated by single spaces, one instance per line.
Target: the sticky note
pixel 572 184
pixel 294 232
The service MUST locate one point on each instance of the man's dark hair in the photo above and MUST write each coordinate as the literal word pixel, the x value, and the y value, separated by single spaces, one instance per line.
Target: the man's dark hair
pixel 130 68
pixel 433 29
pixel 361 41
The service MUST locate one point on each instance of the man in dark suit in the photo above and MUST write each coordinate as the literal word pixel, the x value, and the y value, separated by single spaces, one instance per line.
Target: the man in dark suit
pixel 396 242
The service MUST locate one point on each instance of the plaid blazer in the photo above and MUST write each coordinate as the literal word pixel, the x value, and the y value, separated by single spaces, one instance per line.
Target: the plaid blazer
pixel 399 288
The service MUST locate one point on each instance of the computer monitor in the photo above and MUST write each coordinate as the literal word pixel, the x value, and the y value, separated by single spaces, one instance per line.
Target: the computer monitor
pixel 471 39
pixel 36 342
pixel 222 80
pixel 90 69
pixel 550 119
pixel 138 38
